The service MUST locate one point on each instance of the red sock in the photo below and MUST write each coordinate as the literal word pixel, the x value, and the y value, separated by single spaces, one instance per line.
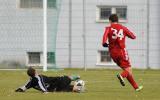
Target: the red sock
pixel 132 81
pixel 124 74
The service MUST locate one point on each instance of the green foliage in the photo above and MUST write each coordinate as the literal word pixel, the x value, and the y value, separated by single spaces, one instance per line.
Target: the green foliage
pixel 100 84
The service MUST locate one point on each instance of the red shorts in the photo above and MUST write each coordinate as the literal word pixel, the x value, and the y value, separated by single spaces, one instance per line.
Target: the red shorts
pixel 120 57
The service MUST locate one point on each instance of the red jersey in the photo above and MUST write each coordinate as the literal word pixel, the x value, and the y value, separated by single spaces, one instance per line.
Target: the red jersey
pixel 115 34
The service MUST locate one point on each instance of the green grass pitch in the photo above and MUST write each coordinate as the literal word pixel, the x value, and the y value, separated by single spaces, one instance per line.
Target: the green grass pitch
pixel 101 84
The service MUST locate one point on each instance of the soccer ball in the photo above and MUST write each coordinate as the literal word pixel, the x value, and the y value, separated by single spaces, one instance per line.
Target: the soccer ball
pixel 79 83
pixel 79 86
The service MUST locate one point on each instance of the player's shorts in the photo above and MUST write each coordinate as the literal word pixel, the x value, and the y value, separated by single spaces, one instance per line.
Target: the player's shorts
pixel 120 57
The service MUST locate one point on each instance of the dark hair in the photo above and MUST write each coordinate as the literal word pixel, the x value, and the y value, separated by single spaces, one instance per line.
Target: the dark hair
pixel 113 18
pixel 31 72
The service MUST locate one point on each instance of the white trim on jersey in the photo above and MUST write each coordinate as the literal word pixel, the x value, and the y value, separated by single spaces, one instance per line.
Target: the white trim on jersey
pixel 24 87
pixel 41 83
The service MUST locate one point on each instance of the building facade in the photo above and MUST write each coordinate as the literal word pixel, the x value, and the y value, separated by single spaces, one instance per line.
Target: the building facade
pixel 79 31
pixel 140 16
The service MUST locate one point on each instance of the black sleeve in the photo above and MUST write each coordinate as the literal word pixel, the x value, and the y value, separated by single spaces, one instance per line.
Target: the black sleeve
pixel 41 83
pixel 36 83
pixel 27 85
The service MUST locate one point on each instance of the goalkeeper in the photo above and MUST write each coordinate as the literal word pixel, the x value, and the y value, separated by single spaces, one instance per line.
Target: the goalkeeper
pixel 49 84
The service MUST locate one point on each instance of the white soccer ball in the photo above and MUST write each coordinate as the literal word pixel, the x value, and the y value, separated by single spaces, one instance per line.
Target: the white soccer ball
pixel 79 83
pixel 79 86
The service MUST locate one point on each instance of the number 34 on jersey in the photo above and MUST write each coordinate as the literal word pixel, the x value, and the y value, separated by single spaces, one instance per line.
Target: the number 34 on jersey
pixel 117 34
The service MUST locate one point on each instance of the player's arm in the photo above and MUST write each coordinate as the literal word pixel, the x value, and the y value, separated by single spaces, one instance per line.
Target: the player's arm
pixel 41 83
pixel 25 87
pixel 105 37
pixel 129 33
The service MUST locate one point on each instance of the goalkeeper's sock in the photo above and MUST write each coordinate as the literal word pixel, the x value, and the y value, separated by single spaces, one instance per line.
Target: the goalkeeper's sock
pixel 124 74
pixel 75 77
pixel 132 81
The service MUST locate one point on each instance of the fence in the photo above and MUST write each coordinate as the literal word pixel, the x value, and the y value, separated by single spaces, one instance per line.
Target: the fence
pixel 74 37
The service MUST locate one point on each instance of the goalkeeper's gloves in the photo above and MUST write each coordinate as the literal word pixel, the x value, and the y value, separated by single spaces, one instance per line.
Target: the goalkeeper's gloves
pixel 19 90
pixel 105 45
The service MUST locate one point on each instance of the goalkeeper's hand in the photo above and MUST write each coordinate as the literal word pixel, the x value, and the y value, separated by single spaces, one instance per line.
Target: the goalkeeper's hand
pixel 19 90
pixel 105 45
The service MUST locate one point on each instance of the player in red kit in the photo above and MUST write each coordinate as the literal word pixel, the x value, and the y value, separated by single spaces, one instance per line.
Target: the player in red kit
pixel 114 38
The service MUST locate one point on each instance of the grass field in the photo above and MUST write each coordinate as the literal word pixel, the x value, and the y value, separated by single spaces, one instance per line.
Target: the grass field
pixel 101 84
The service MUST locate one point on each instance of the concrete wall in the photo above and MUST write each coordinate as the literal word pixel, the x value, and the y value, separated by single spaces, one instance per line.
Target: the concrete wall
pixel 137 22
pixel 22 31
pixel 154 42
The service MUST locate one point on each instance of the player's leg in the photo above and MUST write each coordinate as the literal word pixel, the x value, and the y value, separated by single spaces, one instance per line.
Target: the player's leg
pixel 64 84
pixel 130 78
pixel 74 77
pixel 124 63
pixel 122 75
pixel 127 72
pixel 121 80
pixel 115 56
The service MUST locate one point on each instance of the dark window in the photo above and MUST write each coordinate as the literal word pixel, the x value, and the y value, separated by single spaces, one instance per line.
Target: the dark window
pixel 105 13
pixel 122 12
pixel 34 57
pixel 37 3
pixel 51 57
pixel 52 3
pixel 105 57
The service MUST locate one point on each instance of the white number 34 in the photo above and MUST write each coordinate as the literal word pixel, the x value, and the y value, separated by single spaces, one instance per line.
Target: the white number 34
pixel 117 34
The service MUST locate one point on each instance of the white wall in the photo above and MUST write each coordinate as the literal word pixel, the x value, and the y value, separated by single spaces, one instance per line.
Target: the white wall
pixel 137 22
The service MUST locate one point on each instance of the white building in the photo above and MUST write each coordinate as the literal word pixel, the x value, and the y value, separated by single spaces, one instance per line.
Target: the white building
pixel 141 16
pixel 22 32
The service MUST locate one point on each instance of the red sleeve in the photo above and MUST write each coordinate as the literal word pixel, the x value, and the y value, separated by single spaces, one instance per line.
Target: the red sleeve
pixel 129 33
pixel 105 35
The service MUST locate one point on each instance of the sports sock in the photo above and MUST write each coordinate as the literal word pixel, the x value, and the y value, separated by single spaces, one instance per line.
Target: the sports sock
pixel 132 81
pixel 124 74
pixel 74 77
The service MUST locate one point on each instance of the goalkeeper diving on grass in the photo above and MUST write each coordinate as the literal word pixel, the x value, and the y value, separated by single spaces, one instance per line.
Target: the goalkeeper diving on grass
pixel 114 38
pixel 52 84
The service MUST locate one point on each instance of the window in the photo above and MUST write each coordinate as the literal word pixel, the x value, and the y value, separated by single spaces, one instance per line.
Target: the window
pixel 51 57
pixel 52 3
pixel 122 13
pixel 104 58
pixel 103 13
pixel 34 58
pixel 36 3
